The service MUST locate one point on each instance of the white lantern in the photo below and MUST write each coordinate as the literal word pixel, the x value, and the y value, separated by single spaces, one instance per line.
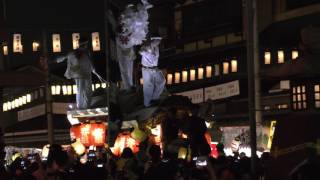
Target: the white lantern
pixel 75 89
pixel 35 46
pixel 13 105
pixel 64 90
pixel 97 85
pixel 20 101
pixel 5 50
pixel 58 89
pixel 69 90
pixel 200 73
pixel 208 71
pixel 5 107
pixel 177 77
pixel 295 54
pixel 234 65
pixel 24 99
pixel 169 78
pixel 16 102
pixel 78 147
pixel 267 57
pixel 56 45
pixel 95 41
pixel 45 151
pixel 17 46
pixel 192 74
pixel 226 68
pixel 184 76
pixel 9 105
pixel 75 40
pixel 103 85
pixel 280 56
pixel 53 90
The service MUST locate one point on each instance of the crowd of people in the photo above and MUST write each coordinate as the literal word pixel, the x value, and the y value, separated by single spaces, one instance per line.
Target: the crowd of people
pixel 148 163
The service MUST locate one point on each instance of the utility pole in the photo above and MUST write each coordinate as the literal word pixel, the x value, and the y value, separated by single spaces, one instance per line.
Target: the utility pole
pixel 249 10
pixel 47 87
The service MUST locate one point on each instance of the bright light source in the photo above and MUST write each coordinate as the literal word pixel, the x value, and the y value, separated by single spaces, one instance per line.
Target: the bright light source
pixel 295 54
pixel 280 56
pixel 184 76
pixel 169 78
pixel 177 77
pixel 200 73
pixel 35 46
pixel 56 45
pixel 69 89
pixel 267 57
pixel 208 71
pixel 234 65
pixel 192 74
pixel 74 89
pixel 95 41
pixel 75 40
pixel 64 90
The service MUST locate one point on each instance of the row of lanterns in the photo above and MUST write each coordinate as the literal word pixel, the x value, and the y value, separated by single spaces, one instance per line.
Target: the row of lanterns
pixel 202 72
pixel 72 89
pixel 17 102
pixel 280 56
pixel 56 43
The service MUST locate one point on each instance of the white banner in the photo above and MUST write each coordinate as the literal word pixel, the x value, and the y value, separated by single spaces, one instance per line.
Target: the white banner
pixel 196 96
pixel 33 112
pixel 222 91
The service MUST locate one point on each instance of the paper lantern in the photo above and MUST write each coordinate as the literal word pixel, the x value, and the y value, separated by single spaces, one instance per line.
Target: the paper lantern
pixel 200 73
pixel 280 56
pixel 184 76
pixel 17 46
pixel 177 77
pixel 138 135
pixel 208 71
pixel 69 90
pixel 216 69
pixel 267 57
pixel 225 68
pixel 58 89
pixel 192 74
pixel 182 153
pixel 234 65
pixel 35 46
pixel 56 45
pixel 28 98
pixel 141 81
pixel 5 107
pixel 5 50
pixel 95 41
pixel 295 54
pixel 53 90
pixel 89 134
pixel 123 141
pixel 64 90
pixel 169 79
pixel 74 89
pixel 45 151
pixel 78 147
pixel 75 40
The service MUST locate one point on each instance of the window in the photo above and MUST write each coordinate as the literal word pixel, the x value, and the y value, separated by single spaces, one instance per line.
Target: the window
pixel 208 71
pixel 184 76
pixel 234 65
pixel 192 74
pixel 216 70
pixel 280 56
pixel 299 99
pixel 317 95
pixel 294 54
pixel 177 77
pixel 200 73
pixel 169 78
pixel 225 68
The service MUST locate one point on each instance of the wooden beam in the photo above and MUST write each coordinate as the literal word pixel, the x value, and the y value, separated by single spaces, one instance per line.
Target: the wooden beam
pixel 15 79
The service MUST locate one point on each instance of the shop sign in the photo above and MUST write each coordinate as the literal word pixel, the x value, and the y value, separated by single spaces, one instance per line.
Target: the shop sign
pixel 196 96
pixel 222 91
pixel 33 112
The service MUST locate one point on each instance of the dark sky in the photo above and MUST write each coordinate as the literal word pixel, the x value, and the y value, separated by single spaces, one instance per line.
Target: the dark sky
pixel 54 12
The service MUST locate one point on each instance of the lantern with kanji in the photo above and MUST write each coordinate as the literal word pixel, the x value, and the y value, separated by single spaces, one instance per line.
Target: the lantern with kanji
pixel 123 141
pixel 93 134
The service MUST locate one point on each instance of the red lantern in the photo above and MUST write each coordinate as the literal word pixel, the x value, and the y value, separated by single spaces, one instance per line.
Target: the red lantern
pixel 89 134
pixel 123 141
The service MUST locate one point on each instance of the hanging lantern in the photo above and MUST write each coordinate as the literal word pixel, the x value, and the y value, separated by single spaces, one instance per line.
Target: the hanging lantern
pixel 78 147
pixel 177 77
pixel 295 54
pixel 64 90
pixel 17 46
pixel 182 153
pixel 123 141
pixel 141 81
pixel 226 68
pixel 74 89
pixel 169 79
pixel 267 57
pixel 89 134
pixel 200 73
pixel 5 50
pixel 5 107
pixel 9 105
pixel 234 65
pixel 184 76
pixel 75 40
pixel 138 135
pixel 58 89
pixel 69 90
pixel 208 71
pixel 280 56
pixel 53 90
pixel 35 46
pixel 56 45
pixel 95 41
pixel 45 151
pixel 192 74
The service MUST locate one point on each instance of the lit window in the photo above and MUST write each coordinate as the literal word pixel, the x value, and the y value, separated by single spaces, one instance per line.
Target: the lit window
pixel 299 99
pixel 176 77
pixel 169 78
pixel 56 46
pixel 280 56
pixel 192 74
pixel 317 95
pixel 35 46
pixel 208 71
pixel 267 57
pixel 200 73
pixel 294 54
pixel 225 68
pixel 216 70
pixel 234 66
pixel 184 76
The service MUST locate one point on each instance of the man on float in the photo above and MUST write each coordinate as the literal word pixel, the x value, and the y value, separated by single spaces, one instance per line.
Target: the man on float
pixel 153 79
